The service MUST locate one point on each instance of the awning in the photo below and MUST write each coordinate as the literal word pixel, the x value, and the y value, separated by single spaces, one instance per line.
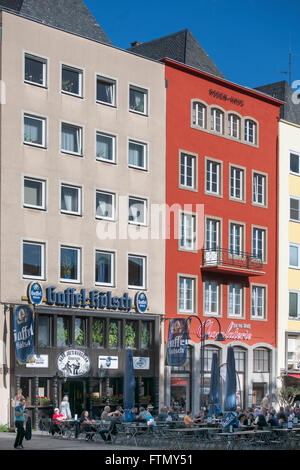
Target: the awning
pixel 296 376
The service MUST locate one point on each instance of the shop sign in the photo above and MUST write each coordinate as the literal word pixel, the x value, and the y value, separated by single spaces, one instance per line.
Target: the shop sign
pixel 224 97
pixel 35 293
pixel 141 302
pixel 232 333
pixel 178 382
pixel 23 331
pixel 177 344
pixel 73 363
pixel 108 362
pixel 41 360
pixel 141 363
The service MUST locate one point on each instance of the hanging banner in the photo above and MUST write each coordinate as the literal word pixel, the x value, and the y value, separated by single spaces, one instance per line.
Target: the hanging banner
pixel 23 329
pixel 177 344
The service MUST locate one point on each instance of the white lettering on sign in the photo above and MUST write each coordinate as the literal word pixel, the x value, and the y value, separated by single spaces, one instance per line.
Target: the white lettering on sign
pixel 233 331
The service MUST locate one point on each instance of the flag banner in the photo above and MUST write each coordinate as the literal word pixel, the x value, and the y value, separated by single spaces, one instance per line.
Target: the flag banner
pixel 177 344
pixel 23 329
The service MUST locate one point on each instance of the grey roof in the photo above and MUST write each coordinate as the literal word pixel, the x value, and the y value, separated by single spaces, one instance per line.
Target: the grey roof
pixel 70 15
pixel 290 111
pixel 180 46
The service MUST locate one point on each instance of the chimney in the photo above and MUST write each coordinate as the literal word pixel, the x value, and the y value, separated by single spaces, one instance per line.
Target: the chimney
pixel 135 43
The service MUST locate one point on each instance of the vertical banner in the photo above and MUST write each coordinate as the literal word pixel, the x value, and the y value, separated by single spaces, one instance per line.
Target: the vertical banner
pixel 177 344
pixel 23 329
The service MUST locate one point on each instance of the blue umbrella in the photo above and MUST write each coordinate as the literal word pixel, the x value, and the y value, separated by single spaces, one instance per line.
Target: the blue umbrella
pixel 230 391
pixel 214 394
pixel 129 388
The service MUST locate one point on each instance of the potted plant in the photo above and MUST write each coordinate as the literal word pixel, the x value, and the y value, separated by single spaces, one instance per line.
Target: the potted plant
pixel 44 401
pixel 145 399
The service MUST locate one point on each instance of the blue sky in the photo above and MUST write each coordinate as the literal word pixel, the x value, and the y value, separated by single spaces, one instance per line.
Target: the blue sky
pixel 249 40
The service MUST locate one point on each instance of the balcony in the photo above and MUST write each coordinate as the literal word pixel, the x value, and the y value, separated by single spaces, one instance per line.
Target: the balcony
pixel 225 261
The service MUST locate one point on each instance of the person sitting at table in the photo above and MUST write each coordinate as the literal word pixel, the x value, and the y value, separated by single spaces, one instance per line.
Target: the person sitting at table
pixel 200 417
pixel 144 414
pixel 87 426
pixel 260 420
pixel 162 416
pixel 281 416
pixel 272 419
pixel 57 418
pixel 188 420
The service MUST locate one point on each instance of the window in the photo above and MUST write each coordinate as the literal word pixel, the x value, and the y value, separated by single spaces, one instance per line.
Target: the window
pixel 235 300
pixel 104 269
pixel 131 334
pixel 44 331
pixel 294 304
pixel 294 258
pixel 80 333
pixel 236 239
pixel 34 131
pixel 236 183
pixel 146 334
pixel 71 139
pixel 294 164
pixel 71 81
pixel 188 171
pixel 294 209
pixel 294 352
pixel 138 98
pixel 212 234
pixel 34 193
pixel 98 333
pixel 35 70
pixel 186 294
pixel 259 192
pixel 106 91
pixel 70 199
pixel 211 298
pixel 136 272
pixel 63 331
pixel 213 177
pixel 137 211
pixel 114 333
pixel 261 360
pixel 217 120
pixel 187 232
pixel 105 205
pixel 209 351
pixel 137 155
pixel 106 147
pixel 33 260
pixel 199 114
pixel 258 302
pixel 69 264
pixel 259 244
pixel 234 126
pixel 250 131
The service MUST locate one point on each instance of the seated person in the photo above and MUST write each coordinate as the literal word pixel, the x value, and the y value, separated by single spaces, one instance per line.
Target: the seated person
pixel 188 420
pixel 162 416
pixel 272 419
pixel 260 420
pixel 57 418
pixel 200 417
pixel 144 414
pixel 87 426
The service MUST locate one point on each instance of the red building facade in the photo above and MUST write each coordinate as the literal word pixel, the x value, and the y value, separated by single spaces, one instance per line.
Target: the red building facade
pixel 221 261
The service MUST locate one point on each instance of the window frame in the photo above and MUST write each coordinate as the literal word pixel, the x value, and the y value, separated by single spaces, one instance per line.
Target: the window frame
pixel 265 189
pixel 296 154
pixel 44 62
pixel 219 298
pixel 79 198
pixel 218 221
pixel 43 206
pixel 261 360
pixel 113 137
pixel 42 244
pixel 296 198
pixel 145 92
pixel 195 102
pixel 264 288
pixel 114 211
pixel 297 317
pixel 241 169
pixel 80 73
pixel 214 110
pixel 209 192
pixel 231 124
pixel 43 120
pixel 110 81
pixel 194 166
pixel 246 131
pixel 194 282
pixel 145 154
pixel 183 247
pixel 145 204
pixel 78 279
pixel 112 267
pixel 144 267
pixel 242 237
pixel 80 129
pixel 295 245
pixel 241 313
pixel 264 231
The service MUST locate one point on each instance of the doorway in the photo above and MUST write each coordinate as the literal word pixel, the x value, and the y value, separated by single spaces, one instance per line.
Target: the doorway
pixel 76 390
pixel 258 393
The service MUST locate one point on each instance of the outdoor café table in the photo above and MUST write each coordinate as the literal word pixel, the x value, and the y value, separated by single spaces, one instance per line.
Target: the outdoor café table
pixel 237 439
pixel 181 436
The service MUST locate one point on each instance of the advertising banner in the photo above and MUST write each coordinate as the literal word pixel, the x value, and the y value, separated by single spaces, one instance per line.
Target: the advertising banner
pixel 177 344
pixel 23 330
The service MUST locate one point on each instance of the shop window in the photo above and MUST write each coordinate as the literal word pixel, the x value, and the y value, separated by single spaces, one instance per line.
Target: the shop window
pixel 114 334
pixel 208 356
pixel 80 336
pixel 98 332
pixel 44 331
pixel 131 335
pixel 63 331
pixel 146 334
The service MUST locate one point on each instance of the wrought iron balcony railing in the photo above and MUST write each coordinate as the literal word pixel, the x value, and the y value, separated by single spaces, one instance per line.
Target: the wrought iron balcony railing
pixel 237 260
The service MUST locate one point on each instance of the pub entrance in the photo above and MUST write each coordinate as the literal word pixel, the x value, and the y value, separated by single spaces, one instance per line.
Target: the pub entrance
pixel 76 390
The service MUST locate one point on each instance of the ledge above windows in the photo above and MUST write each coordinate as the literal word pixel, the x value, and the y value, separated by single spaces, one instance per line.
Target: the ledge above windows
pixel 228 124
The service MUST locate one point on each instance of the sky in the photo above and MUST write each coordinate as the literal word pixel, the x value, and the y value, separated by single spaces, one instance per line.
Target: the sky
pixel 249 40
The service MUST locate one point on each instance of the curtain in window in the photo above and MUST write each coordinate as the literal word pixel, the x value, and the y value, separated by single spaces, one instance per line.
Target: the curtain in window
pixel 136 154
pixel 104 147
pixel 69 200
pixel 104 205
pixel 103 267
pixel 105 92
pixel 33 130
pixel 70 139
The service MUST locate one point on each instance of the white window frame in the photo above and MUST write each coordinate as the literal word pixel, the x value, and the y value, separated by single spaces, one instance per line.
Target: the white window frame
pixel 255 193
pixel 210 291
pixel 80 80
pixel 255 242
pixel 36 118
pixel 79 256
pixel 296 154
pixel 254 298
pixel 144 267
pixel 234 126
pixel 113 196
pixel 199 114
pixel 145 93
pixel 295 198
pixel 297 292
pixel 250 131
pixel 43 260
pixel 114 145
pixel 208 241
pixel 233 186
pixel 113 83
pixel 43 183
pixel 185 298
pixel 208 177
pixel 145 204
pixel 217 120
pixel 79 137
pixel 79 196
pixel 42 60
pixel 112 268
pixel 145 154
pixel 183 162
pixel 237 227
pixel 187 224
pixel 233 295
pixel 295 245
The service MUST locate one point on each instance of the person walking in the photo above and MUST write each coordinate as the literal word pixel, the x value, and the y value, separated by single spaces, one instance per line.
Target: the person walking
pixel 265 403
pixel 65 408
pixel 20 411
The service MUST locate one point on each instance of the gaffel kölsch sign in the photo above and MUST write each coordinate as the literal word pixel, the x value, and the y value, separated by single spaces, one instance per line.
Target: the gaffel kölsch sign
pixel 95 299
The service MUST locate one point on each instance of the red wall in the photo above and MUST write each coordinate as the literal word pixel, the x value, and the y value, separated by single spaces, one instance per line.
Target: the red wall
pixel 184 84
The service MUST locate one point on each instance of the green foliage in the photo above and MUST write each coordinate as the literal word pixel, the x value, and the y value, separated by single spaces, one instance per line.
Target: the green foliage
pixel 130 336
pixel 145 339
pixel 113 334
pixel 97 333
pixel 4 428
pixel 287 394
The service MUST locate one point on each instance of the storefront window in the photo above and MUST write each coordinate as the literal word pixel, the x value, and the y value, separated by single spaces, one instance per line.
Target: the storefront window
pixel 63 331
pixel 131 334
pixel 44 331
pixel 146 335
pixel 80 331
pixel 98 333
pixel 114 334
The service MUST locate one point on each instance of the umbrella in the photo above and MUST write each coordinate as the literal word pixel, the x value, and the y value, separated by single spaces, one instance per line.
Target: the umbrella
pixel 214 394
pixel 230 390
pixel 129 388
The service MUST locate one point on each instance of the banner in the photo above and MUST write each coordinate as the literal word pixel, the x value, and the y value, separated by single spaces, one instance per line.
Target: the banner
pixel 177 344
pixel 23 329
